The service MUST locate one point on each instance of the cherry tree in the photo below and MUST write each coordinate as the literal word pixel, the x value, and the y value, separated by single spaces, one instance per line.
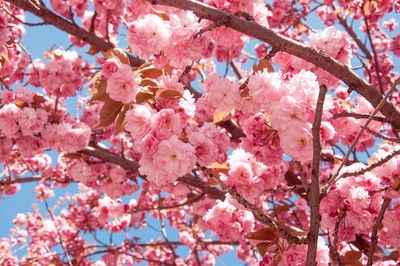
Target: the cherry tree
pixel 293 161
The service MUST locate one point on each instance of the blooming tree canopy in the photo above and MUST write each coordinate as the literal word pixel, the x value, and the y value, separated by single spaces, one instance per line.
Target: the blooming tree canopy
pixel 294 161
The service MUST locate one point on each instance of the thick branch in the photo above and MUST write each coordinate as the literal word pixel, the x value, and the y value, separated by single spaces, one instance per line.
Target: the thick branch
pixel 192 181
pixel 6 182
pixel 290 46
pixel 314 195
pixel 127 164
pixel 51 18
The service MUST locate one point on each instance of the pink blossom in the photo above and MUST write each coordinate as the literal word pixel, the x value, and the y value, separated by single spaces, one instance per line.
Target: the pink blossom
pixel 81 172
pixel 149 34
pixel 395 45
pixel 172 159
pixel 222 93
pixel 76 138
pixel 138 121
pixel 390 24
pixel 123 85
pixel 9 117
pixel 297 142
pixel 110 66
pixel 287 113
pixel 333 42
pixel 166 123
pixel 206 150
pixel 266 88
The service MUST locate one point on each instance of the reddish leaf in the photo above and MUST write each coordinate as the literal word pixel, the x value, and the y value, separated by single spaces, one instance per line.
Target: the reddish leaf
pixel 141 97
pixel 120 125
pixel 395 255
pixel 151 72
pixel 119 53
pixel 219 168
pixel 144 65
pixel 148 83
pixel 263 247
pixel 100 87
pixel 93 50
pixel 265 233
pixel 170 94
pixel 351 257
pixel 264 63
pixel 367 7
pixel 38 98
pixel 154 90
pixel 109 112
pixel 122 56
pixel 98 75
pixel 282 208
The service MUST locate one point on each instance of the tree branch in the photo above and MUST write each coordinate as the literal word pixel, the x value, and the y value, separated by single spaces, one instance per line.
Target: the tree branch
pixel 314 195
pixel 362 116
pixel 264 218
pixel 350 31
pixel 373 48
pixel 133 166
pixel 290 46
pixel 51 18
pixel 334 178
pixel 58 231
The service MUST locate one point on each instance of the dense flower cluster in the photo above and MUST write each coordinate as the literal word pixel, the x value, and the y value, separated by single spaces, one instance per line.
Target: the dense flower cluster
pixel 220 159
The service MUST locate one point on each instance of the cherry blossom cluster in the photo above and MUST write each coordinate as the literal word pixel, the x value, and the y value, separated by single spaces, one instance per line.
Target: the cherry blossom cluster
pixel 151 142
pixel 61 76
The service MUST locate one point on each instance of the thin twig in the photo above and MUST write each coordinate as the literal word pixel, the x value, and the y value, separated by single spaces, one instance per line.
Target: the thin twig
pixel 361 116
pixel 20 21
pixel 373 48
pixel 379 135
pixel 371 167
pixel 188 202
pixel 350 31
pixel 335 253
pixel 303 176
pixel 92 22
pixel 58 231
pixel 334 178
pixel 236 70
pixel 164 234
pixel 264 218
pixel 284 190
